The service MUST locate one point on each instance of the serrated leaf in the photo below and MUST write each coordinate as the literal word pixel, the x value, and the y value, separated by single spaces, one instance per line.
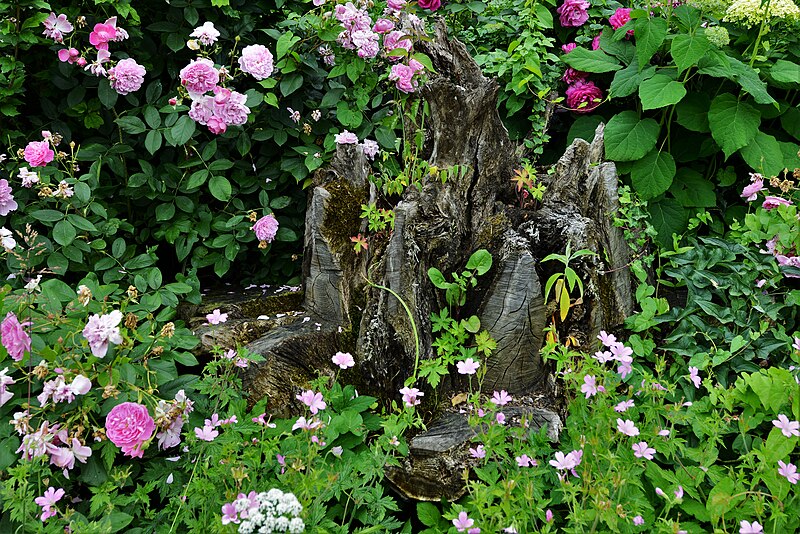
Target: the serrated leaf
pixel 693 112
pixel 785 71
pixel 668 217
pixel 692 190
pixel 64 233
pixel 183 130
pixel 152 141
pixel 628 139
pixel 627 81
pixel 750 81
pixel 660 91
pixel 653 174
pixel 791 122
pixel 733 123
pixel 687 49
pixel 595 61
pixel 131 125
pixel 428 514
pixel 763 154
pixel 650 33
pixel 220 188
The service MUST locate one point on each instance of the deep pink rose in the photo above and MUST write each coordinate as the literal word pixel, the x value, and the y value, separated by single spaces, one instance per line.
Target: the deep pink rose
pixel 596 41
pixel 15 339
pixel 571 76
pixel 266 228
pixel 620 18
pixel 38 153
pixel 573 13
pixel 129 426
pixel 772 202
pixel 583 92
pixel 433 5
pixel 102 34
pixel 569 47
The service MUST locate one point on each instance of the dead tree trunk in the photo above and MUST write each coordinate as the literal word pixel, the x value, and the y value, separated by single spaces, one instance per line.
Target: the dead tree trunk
pixel 440 225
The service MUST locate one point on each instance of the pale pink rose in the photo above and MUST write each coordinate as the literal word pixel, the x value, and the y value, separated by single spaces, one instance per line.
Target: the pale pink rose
pixel 233 110
pixel 772 202
pixel 266 228
pixel 129 426
pixel 403 76
pixel 202 109
pixel 38 153
pixel 216 125
pixel 14 338
pixel 7 202
pixel 126 77
pixel 256 61
pixel 394 40
pixel 346 138
pixel 102 329
pixel 199 76
pixel 383 26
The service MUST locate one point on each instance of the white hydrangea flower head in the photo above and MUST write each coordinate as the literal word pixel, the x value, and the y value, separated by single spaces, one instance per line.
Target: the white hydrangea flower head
pixel 749 13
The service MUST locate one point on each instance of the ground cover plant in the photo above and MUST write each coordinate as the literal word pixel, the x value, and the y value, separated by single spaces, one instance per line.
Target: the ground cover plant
pixel 150 149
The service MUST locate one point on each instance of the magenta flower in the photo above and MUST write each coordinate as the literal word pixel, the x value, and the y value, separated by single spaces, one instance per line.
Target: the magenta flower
pixel 313 400
pixel 48 501
pixel 433 5
pixel 199 76
pixel 502 398
pixel 746 527
pixel 468 366
pixel 216 317
pixel 788 428
pixel 638 520
pixel 694 377
pixel 772 202
pixel 101 330
pixel 573 13
pixel 383 26
pixel 642 450
pixel 229 513
pixel 583 96
pixel 620 18
pixel 129 426
pixel 266 228
pixel 627 427
pixel 411 396
pixel 750 193
pixel 463 522
pixel 14 338
pixel 500 417
pixel 624 406
pixel 548 515
pixel 256 61
pixel 343 359
pixel 101 35
pixel 589 386
pixel 477 452
pixel 679 492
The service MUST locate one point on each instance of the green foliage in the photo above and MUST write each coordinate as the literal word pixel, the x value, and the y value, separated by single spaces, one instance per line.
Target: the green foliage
pixel 564 283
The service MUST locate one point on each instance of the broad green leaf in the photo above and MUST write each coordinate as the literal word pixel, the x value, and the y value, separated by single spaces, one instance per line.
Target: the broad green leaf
pixel 733 123
pixel 197 179
pixel 64 233
pixel 47 215
pixel 650 33
pixel 653 174
pixel 108 96
pixel 131 125
pixel 791 155
pixel 628 139
pixel 152 142
pixel 285 42
pixel 763 154
pixel 689 17
pixel 584 128
pixel 437 278
pixel 480 261
pixel 660 91
pixel 721 499
pixel 692 190
pixel 693 112
pixel 165 212
pixel 183 130
pixel 220 188
pixel 791 122
pixel 591 60
pixel 428 514
pixel 778 446
pixel 627 81
pixel 750 81
pixel 668 217
pixel 386 137
pixel 785 71
pixel 472 325
pixel 687 49
pixel 291 83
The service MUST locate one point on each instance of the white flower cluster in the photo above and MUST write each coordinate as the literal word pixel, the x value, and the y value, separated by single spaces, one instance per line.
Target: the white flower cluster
pixel 749 13
pixel 273 511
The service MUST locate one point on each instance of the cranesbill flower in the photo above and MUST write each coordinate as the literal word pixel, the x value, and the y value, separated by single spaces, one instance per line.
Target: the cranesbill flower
pixel 314 401
pixel 411 396
pixel 207 433
pixel 624 406
pixel 478 452
pixel 788 428
pixel 48 501
pixel 679 492
pixel 502 398
pixel 343 359
pixel 463 522
pixel 789 471
pixel 746 527
pixel 468 366
pixel 642 450
pixel 589 386
pixel 627 427
pixel 525 461
pixel 694 377
pixel 215 317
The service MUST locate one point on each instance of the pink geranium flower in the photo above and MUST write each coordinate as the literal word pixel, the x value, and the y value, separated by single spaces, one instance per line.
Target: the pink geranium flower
pixel 501 398
pixel 789 471
pixel 478 452
pixel 463 522
pixel 746 527
pixel 788 428
pixel 468 366
pixel 624 406
pixel 642 450
pixel 216 317
pixel 627 427
pixel 48 501
pixel 343 359
pixel 694 376
pixel 314 401
pixel 411 396
pixel 589 386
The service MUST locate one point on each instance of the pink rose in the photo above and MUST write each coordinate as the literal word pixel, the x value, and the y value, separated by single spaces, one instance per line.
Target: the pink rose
pixel 394 40
pixel 403 76
pixel 216 125
pixel 433 5
pixel 395 5
pixel 383 26
pixel 772 202
pixel 126 77
pixel 102 34
pixel 129 426
pixel 199 76
pixel 596 41
pixel 571 76
pixel 256 61
pixel 573 13
pixel 266 228
pixel 583 92
pixel 38 153
pixel 69 55
pixel 7 202
pixel 569 47
pixel 752 190
pixel 15 339
pixel 620 18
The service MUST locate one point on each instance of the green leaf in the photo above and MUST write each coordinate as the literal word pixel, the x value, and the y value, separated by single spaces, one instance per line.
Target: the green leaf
pixel 748 78
pixel 386 137
pixel 668 217
pixel 220 187
pixel 471 325
pixel 152 142
pixel 629 139
pixel 285 42
pixel 649 33
pixel 108 96
pixel 197 179
pixel 332 97
pixel 763 154
pixel 692 190
pixel 480 261
pixel 183 130
pixel 437 278
pixel 286 234
pixel 791 159
pixel 80 222
pixel 660 91
pixel 131 125
pixel 291 83
pixel 165 212
pixel 64 233
pixel 152 117
pixel 428 514
pixel 791 122
pixel 653 174
pixel 721 498
pixel 687 49
pixel 118 247
pixel 785 71
pixel 733 123
pixel 627 81
pixel 595 61
pixel 47 215
pixel 693 112
pixel 584 128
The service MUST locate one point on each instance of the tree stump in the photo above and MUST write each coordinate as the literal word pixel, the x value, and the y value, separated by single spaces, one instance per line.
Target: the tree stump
pixel 440 225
